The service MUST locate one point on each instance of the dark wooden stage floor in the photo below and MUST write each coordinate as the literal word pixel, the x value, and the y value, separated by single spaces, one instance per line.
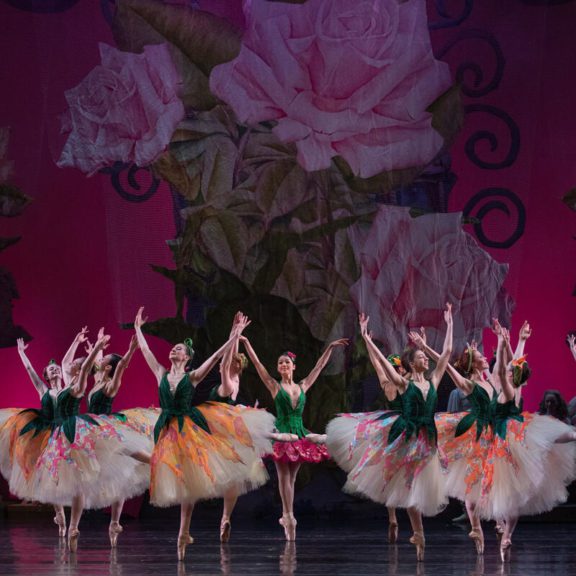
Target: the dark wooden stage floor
pixel 29 545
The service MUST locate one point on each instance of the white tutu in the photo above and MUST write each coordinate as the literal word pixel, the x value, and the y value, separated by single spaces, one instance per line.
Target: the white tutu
pixel 191 464
pixel 403 474
pixel 525 473
pixel 97 465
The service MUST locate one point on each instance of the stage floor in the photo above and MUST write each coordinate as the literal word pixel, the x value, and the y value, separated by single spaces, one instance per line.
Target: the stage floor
pixel 31 546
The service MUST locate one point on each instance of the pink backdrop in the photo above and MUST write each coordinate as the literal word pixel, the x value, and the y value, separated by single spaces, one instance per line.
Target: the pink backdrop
pixel 84 255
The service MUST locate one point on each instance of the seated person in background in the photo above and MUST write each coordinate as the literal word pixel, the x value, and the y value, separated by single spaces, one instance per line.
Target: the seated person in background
pixel 553 404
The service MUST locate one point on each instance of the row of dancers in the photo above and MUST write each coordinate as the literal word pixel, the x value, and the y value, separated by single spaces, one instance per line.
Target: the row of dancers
pixel 501 462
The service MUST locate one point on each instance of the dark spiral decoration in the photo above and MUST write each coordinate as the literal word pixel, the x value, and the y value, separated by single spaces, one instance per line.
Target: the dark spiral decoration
pixel 448 20
pixel 122 173
pixel 492 139
pixel 42 6
pixel 490 199
pixel 479 86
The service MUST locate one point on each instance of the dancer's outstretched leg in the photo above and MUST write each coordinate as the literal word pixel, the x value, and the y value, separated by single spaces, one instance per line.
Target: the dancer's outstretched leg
pixel 60 520
pixel 506 542
pixel 287 473
pixel 115 529
pixel 392 526
pixel 418 532
pixel 230 499
pixel 476 533
pixel 75 515
pixel 184 537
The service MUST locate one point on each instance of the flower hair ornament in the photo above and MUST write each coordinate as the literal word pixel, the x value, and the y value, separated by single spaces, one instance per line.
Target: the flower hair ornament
pixel 395 360
pixel 518 370
pixel 290 355
pixel 189 347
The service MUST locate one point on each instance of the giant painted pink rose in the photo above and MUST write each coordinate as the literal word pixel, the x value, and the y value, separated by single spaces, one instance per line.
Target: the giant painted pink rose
pixel 410 267
pixel 343 78
pixel 125 110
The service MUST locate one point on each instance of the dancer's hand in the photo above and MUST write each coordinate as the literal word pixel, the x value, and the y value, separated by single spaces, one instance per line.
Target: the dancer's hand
pixel 417 339
pixel 82 337
pixel 140 320
pixel 525 331
pixel 571 339
pixel 448 314
pixel 133 344
pixel 496 327
pixel 21 345
pixel 339 342
pixel 363 319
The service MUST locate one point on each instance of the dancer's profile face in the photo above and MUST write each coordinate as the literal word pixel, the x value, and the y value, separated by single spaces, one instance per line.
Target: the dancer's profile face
pixel 53 371
pixel 75 366
pixel 179 353
pixel 285 366
pixel 479 361
pixel 420 361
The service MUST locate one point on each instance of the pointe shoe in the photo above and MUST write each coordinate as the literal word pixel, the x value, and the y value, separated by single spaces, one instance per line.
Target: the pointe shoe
pixel 478 536
pixel 499 529
pixel 73 534
pixel 113 531
pixel 392 532
pixel 225 528
pixel 288 522
pixel 183 541
pixel 418 540
pixel 505 545
pixel 60 521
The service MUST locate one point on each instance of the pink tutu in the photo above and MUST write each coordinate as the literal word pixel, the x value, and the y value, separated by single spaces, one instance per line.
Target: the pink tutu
pixel 300 451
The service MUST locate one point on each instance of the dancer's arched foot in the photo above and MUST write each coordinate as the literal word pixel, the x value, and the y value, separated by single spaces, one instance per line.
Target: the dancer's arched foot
pixel 113 531
pixel 73 534
pixel 225 529
pixel 505 546
pixel 478 536
pixel 60 521
pixel 288 522
pixel 418 540
pixel 183 541
pixel 393 532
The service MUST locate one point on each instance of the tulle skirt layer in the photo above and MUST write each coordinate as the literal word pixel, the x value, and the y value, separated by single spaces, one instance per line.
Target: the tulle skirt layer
pixel 191 464
pixel 525 473
pixel 403 474
pixel 99 465
pixel 11 422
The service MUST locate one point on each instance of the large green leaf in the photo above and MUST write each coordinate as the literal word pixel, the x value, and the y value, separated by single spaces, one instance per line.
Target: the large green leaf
pixel 205 39
pixel 132 31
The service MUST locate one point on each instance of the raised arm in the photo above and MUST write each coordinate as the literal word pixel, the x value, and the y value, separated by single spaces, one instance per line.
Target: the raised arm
pixel 459 381
pixel 227 386
pixel 390 373
pixel 507 353
pixel 114 385
pixel 79 389
pixel 39 384
pixel 376 358
pixel 153 364
pixel 572 344
pixel 525 333
pixel 80 338
pixel 501 366
pixel 196 376
pixel 307 382
pixel 444 358
pixel 268 381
